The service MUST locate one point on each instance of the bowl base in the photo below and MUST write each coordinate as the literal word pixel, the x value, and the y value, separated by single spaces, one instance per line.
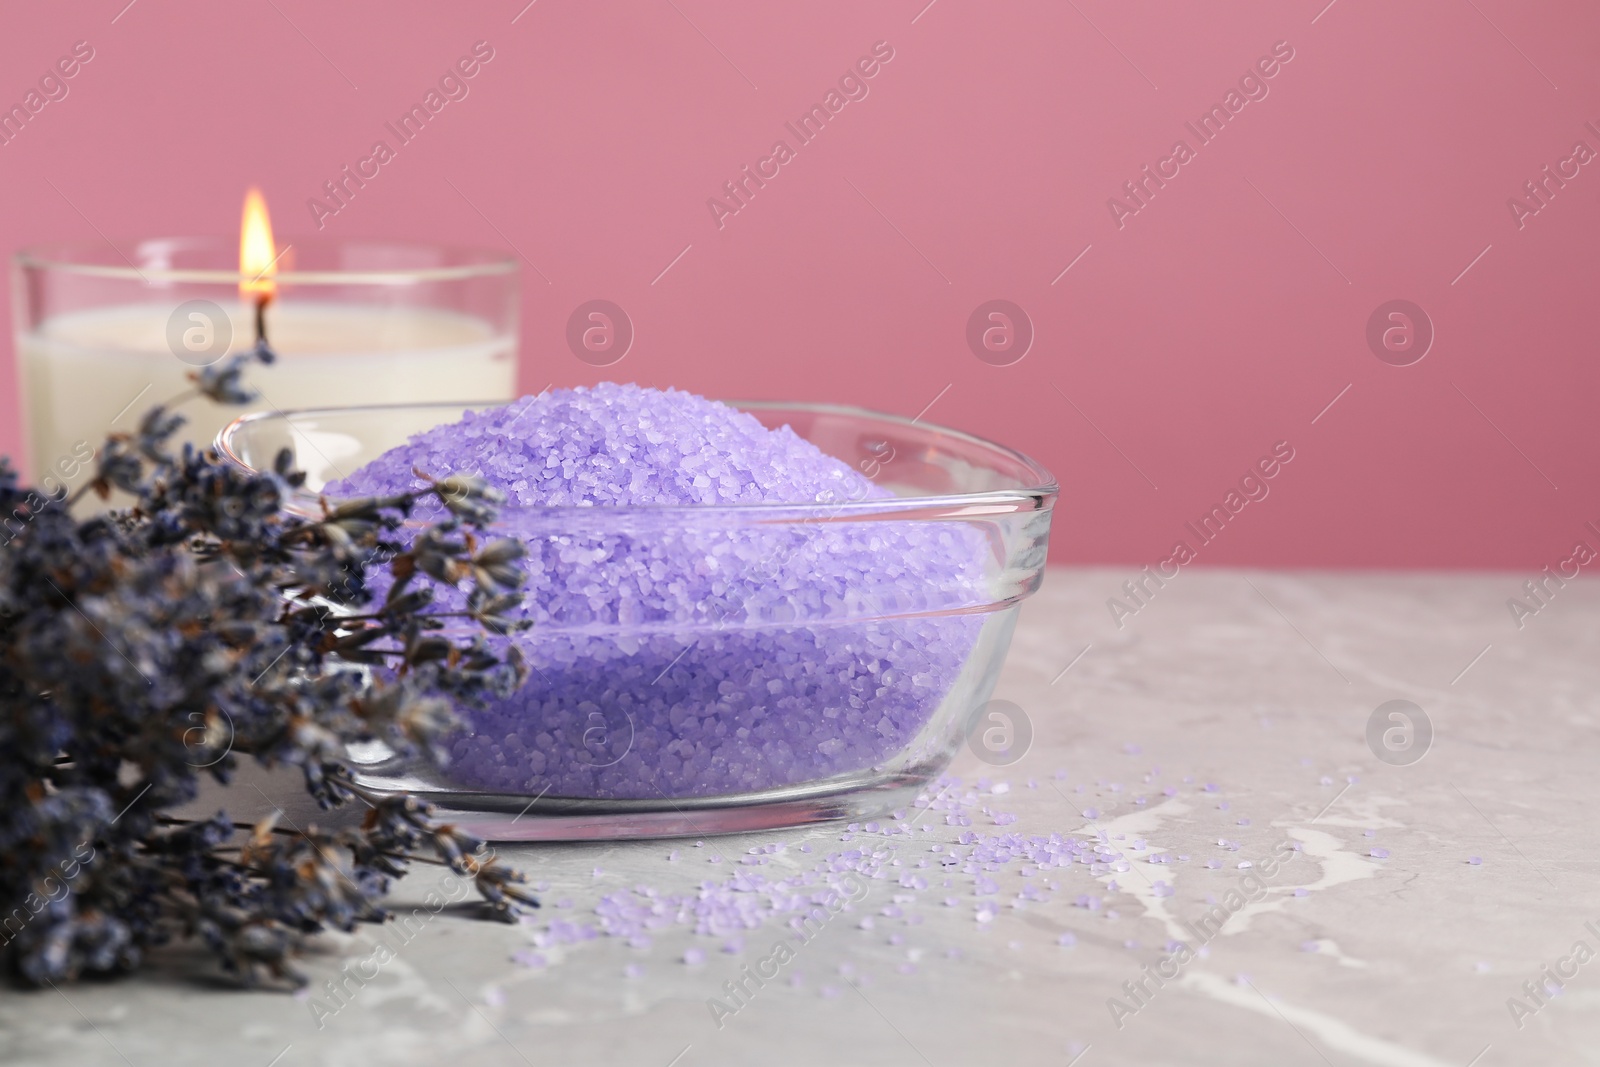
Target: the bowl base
pixel 496 817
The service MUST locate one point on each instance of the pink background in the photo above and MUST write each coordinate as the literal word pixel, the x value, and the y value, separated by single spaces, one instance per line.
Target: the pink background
pixel 1220 319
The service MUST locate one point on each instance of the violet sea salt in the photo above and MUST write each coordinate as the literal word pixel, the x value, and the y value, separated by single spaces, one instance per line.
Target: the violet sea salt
pixel 685 652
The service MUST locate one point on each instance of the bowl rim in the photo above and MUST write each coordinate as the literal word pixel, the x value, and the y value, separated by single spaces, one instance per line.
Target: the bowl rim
pixel 1039 495
pixel 86 258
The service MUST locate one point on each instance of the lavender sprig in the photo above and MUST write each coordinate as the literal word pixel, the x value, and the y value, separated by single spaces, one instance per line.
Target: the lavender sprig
pixel 146 647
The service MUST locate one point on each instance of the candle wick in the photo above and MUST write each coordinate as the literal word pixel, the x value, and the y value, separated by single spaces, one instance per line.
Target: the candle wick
pixel 261 320
pixel 263 351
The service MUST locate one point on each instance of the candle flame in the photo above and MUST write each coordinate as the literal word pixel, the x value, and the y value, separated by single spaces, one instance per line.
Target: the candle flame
pixel 258 256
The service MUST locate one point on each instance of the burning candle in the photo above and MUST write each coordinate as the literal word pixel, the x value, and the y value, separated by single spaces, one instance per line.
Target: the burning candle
pixel 102 335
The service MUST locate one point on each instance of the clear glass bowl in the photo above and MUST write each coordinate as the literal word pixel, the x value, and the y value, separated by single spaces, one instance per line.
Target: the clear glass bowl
pixel 830 666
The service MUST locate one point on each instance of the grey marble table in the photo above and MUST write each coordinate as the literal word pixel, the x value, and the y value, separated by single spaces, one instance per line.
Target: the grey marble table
pixel 1258 685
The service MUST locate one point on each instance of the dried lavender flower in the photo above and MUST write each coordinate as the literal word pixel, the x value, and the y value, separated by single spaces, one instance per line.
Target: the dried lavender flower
pixel 147 647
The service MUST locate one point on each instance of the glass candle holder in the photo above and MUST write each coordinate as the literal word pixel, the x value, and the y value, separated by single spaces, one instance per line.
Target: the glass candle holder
pixel 101 337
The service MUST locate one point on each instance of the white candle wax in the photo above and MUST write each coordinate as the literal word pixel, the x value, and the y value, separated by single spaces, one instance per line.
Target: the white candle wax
pixel 82 370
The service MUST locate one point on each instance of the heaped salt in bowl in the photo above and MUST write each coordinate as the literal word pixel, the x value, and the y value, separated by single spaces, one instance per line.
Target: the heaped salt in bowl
pixel 676 657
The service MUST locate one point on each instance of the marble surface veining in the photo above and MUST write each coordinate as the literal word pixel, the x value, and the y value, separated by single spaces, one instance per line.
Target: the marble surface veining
pixel 1397 951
